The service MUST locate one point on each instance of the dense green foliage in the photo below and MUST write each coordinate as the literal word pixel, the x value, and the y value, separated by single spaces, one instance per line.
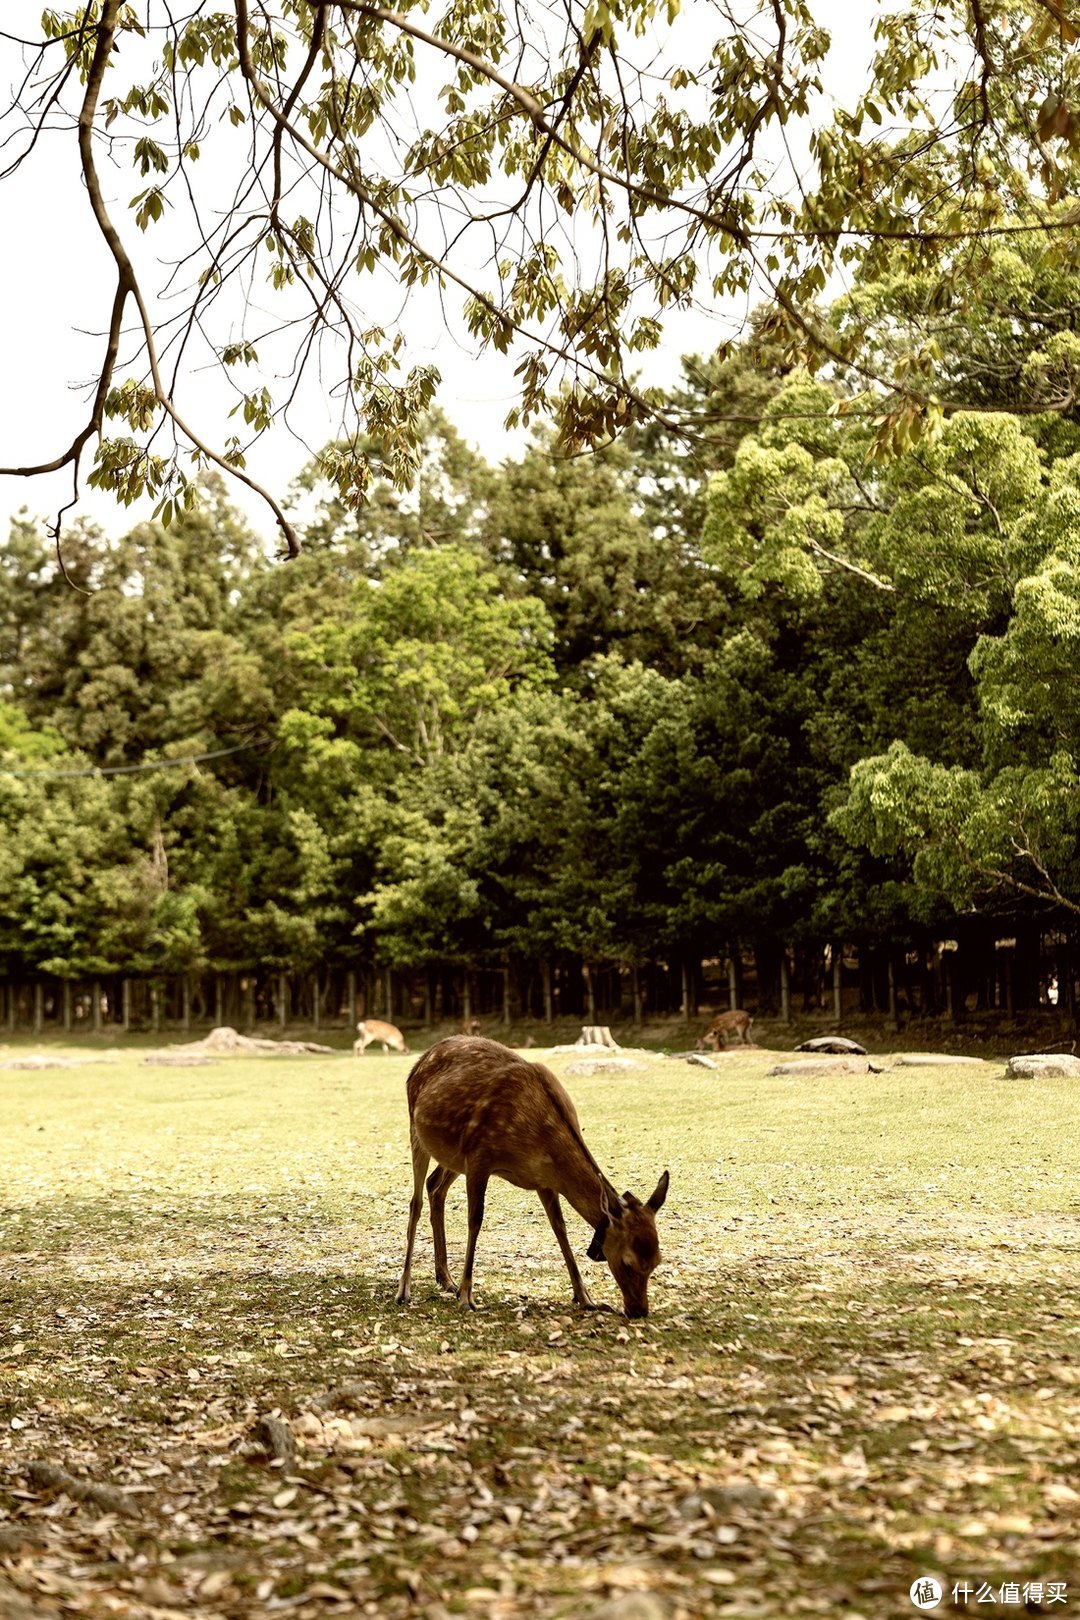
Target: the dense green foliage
pixel 632 707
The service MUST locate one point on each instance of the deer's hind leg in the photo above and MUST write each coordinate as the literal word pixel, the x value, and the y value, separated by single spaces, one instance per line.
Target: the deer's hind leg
pixel 553 1211
pixel 476 1187
pixel 421 1158
pixel 438 1185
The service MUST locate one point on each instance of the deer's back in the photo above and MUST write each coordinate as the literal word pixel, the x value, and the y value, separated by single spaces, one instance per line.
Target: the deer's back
pixel 379 1029
pixel 474 1101
pixel 736 1019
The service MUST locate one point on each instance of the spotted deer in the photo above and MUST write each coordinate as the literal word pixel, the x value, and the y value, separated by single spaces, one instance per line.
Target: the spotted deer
pixel 373 1029
pixel 479 1110
pixel 735 1022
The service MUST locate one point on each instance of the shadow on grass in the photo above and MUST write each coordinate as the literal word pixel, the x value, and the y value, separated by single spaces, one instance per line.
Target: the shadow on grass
pixel 818 1425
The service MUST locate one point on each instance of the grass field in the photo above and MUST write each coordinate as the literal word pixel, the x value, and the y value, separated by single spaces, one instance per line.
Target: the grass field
pixel 862 1363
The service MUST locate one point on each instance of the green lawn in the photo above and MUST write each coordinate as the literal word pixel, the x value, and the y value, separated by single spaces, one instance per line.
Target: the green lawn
pixel 863 1361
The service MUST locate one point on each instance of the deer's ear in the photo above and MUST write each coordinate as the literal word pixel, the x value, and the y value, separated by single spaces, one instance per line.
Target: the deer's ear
pixel 656 1201
pixel 630 1201
pixel 595 1250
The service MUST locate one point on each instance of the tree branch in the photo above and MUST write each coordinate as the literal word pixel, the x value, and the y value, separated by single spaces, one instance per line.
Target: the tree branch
pixel 126 287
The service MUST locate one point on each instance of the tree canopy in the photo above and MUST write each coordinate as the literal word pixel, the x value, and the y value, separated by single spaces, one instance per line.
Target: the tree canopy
pixel 559 181
pixel 787 659
pixel 842 707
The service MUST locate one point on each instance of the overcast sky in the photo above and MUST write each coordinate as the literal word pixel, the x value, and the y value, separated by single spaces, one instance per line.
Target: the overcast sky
pixel 56 285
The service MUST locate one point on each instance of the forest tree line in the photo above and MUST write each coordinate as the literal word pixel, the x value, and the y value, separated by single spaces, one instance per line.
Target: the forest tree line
pixel 746 697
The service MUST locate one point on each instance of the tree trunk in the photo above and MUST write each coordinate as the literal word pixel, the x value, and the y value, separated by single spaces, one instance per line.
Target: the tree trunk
pixel 96 993
pixel 185 1003
pixel 732 982
pixel 894 1019
pixel 350 997
pixel 636 981
pixel 838 983
pixel 590 993
pixel 785 987
pixel 67 1006
pixel 866 980
pixel 1066 981
pixel 1007 983
pixel 39 1006
pixel 155 1008
pixel 125 1005
pixel 549 998
pixel 219 1001
pixel 316 996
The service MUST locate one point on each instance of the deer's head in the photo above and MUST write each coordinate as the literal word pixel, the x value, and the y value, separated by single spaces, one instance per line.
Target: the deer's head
pixel 626 1239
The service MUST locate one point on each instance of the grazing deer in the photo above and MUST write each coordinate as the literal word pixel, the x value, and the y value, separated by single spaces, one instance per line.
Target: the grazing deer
pixel 469 1026
pixel 480 1110
pixel 373 1029
pixel 735 1022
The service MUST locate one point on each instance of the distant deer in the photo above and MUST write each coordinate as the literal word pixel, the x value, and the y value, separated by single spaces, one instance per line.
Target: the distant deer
pixel 480 1110
pixel 469 1026
pixel 373 1029
pixel 735 1022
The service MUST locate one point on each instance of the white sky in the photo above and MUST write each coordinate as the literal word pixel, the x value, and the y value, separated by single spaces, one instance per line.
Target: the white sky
pixel 56 287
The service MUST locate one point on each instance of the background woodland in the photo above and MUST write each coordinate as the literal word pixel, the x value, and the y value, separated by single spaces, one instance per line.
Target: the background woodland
pixel 577 724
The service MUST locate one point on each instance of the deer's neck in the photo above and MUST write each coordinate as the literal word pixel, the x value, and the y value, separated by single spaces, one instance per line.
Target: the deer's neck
pixel 587 1189
pixel 579 1178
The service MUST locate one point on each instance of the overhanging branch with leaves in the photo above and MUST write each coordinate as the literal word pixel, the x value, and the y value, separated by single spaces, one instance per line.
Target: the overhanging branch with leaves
pixel 576 181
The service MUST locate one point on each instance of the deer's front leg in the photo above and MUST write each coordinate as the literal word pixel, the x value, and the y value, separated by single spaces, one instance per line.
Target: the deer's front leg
pixel 553 1211
pixel 439 1183
pixel 420 1159
pixel 475 1187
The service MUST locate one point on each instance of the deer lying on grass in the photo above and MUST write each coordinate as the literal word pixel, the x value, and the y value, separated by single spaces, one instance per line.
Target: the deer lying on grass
pixel 373 1029
pixel 735 1022
pixel 480 1110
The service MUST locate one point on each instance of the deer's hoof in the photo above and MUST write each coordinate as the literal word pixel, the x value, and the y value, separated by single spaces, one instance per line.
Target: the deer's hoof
pixel 447 1282
pixel 403 1297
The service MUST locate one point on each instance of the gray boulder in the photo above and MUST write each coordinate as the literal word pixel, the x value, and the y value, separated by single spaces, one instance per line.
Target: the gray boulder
pixel 836 1065
pixel 936 1060
pixel 602 1065
pixel 179 1060
pixel 838 1044
pixel 1034 1065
